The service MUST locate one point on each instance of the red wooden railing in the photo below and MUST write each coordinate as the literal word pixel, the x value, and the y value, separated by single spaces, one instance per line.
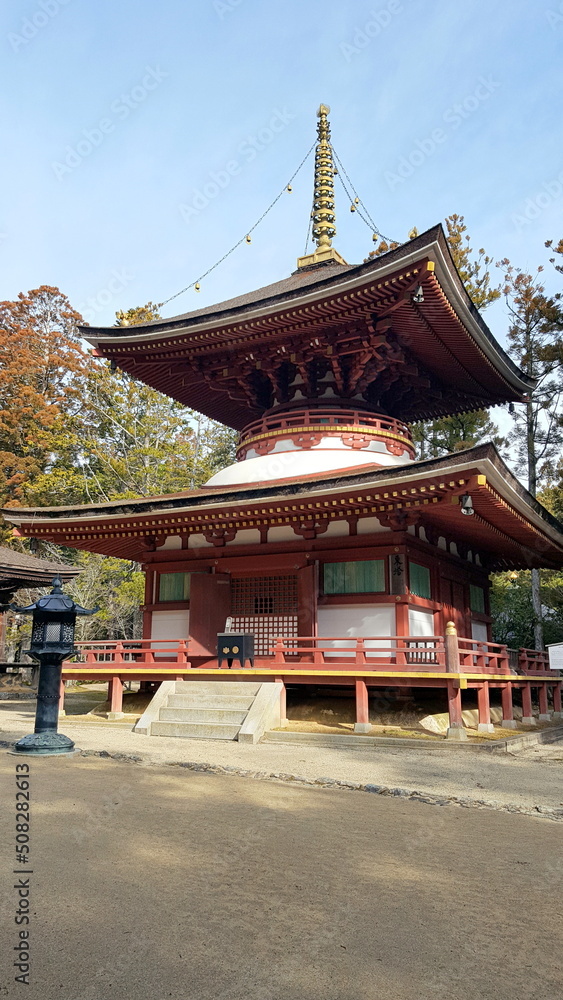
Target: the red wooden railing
pixel 131 653
pixel 483 657
pixel 329 416
pixel 371 652
pixel 534 661
pixel 378 653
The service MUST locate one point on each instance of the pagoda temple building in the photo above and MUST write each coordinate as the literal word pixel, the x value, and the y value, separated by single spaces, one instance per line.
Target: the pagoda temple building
pixel 351 562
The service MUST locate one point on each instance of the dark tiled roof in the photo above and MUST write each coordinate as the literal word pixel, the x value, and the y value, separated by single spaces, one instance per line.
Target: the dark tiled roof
pixel 16 565
pixel 297 282
pixel 319 276
pixel 301 486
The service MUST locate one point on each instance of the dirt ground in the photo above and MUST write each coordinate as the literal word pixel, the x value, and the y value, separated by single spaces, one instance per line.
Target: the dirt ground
pixel 308 711
pixel 157 882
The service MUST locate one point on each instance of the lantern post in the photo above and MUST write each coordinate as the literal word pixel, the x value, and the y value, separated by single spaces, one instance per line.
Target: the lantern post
pixel 52 641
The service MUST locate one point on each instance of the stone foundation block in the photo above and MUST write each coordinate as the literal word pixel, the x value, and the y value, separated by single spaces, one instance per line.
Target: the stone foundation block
pixel 456 733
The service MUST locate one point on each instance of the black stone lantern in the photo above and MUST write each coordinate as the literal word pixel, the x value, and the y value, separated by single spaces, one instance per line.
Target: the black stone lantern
pixel 52 641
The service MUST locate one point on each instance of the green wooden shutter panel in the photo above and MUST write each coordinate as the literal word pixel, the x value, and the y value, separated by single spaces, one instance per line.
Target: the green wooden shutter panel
pixel 367 576
pixel 477 598
pixel 174 587
pixel 419 580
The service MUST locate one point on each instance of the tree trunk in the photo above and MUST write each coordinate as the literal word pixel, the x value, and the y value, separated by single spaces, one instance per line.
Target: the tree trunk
pixel 532 486
pixel 536 604
pixel 531 450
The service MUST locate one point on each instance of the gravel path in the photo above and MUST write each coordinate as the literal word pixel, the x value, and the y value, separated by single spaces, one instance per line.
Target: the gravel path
pixel 527 781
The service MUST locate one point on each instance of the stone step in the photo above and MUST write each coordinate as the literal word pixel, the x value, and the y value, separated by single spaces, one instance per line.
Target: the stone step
pixel 239 703
pixel 195 730
pixel 210 715
pixel 218 687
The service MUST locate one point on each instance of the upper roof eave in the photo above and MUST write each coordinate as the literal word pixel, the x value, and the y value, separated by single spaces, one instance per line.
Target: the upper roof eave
pixel 334 278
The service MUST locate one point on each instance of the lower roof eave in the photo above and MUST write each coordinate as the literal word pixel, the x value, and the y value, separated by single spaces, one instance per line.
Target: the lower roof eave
pixel 506 511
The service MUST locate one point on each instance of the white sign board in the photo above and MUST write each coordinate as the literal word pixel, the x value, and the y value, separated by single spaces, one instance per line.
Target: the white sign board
pixel 556 656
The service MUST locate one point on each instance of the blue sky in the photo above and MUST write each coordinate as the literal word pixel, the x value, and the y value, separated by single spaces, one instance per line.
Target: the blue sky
pixel 118 117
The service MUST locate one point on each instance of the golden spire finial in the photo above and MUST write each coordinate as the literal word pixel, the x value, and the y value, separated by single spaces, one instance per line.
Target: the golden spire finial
pixel 324 218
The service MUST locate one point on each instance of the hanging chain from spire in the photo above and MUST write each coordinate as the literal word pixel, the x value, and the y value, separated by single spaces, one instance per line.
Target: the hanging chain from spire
pixel 244 239
pixel 357 201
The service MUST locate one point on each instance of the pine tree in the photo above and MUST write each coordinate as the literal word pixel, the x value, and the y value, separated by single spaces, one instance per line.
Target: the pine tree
pixel 537 434
pixel 464 430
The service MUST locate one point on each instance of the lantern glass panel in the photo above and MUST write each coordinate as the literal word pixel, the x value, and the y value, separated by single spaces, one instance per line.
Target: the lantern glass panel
pixel 53 631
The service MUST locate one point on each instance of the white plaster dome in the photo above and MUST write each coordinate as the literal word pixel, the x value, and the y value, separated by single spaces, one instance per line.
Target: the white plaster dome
pixel 296 443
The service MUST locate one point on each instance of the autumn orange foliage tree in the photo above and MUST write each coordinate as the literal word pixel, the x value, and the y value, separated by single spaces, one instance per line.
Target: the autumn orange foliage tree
pixel 41 361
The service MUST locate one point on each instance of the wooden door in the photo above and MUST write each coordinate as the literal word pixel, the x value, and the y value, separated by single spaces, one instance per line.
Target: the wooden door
pixel 453 599
pixel 210 605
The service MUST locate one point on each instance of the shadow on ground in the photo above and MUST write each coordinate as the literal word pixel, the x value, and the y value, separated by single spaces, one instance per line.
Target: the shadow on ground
pixel 162 882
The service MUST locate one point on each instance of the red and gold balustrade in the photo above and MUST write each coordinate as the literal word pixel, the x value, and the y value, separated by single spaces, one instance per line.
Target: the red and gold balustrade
pixel 311 427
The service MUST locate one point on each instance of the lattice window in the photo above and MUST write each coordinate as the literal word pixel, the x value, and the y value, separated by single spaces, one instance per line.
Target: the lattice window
pixel 266 606
pixel 266 629
pixel 270 595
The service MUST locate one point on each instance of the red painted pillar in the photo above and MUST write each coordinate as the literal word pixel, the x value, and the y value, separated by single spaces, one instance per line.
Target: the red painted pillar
pixel 362 724
pixel 557 700
pixel 453 665
pixel 508 721
pixel 527 716
pixel 307 589
pixel 62 699
pixel 283 701
pixel 149 601
pixel 115 698
pixel 402 617
pixel 456 729
pixel 485 725
pixel 545 714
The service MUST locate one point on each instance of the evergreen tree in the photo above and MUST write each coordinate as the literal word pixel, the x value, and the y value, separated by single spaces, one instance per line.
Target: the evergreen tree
pixel 537 433
pixel 473 271
pixel 464 430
